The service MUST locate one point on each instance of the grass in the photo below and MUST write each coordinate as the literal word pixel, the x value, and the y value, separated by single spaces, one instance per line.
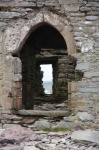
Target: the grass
pixel 55 129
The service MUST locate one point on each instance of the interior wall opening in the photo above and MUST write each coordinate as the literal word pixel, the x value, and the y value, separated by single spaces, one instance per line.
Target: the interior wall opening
pixel 47 78
pixel 43 47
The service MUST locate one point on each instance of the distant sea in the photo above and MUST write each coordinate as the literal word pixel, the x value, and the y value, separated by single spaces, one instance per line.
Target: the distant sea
pixel 48 87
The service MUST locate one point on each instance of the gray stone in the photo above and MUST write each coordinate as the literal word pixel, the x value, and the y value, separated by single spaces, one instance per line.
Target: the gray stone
pixel 41 124
pixel 83 66
pixel 84 116
pixel 17 66
pixel 5 126
pixel 83 9
pixel 17 77
pixel 30 148
pixel 67 119
pixel 91 18
pixel 68 2
pixel 15 134
pixel 93 4
pixel 1 131
pixel 71 8
pixel 67 125
pixel 91 74
pixel 9 15
pixel 88 90
pixel 86 135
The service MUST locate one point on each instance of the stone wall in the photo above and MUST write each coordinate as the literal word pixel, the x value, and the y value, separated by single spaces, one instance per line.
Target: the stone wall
pixel 80 17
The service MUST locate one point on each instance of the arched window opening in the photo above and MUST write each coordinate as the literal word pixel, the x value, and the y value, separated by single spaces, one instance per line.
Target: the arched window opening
pixel 45 46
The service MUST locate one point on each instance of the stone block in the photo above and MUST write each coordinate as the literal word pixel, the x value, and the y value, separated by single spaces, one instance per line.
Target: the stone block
pixel 86 135
pixel 73 86
pixel 91 18
pixel 18 103
pixel 8 76
pixel 7 103
pixel 41 124
pixel 71 8
pixel 93 4
pixel 17 77
pixel 17 93
pixel 89 30
pixel 83 66
pixel 8 64
pixel 17 66
pixel 91 74
pixel 63 2
pixel 88 90
pixel 67 125
pixel 85 9
pixel 84 116
pixel 5 15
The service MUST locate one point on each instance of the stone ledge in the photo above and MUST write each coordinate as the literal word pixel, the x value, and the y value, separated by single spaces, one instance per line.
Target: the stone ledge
pixel 42 113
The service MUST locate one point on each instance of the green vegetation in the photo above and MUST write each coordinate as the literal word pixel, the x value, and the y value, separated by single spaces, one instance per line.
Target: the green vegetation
pixel 5 9
pixel 55 129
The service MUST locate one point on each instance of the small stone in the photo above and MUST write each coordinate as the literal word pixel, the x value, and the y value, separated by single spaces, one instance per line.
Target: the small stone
pixel 30 148
pixel 84 116
pixel 54 141
pixel 1 131
pixel 63 141
pixel 67 125
pixel 29 120
pixel 68 119
pixel 91 18
pixel 86 135
pixel 41 124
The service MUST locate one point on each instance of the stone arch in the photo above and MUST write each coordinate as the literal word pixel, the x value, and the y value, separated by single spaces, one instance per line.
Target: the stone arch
pixel 14 43
pixel 58 22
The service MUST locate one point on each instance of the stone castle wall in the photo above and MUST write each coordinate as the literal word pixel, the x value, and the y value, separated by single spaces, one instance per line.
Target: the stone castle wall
pixel 81 17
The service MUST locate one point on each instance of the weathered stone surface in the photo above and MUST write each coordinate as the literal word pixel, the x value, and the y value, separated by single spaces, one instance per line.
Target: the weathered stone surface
pixel 68 1
pixel 15 134
pixel 91 74
pixel 9 15
pixel 42 113
pixel 85 9
pixel 68 119
pixel 71 8
pixel 17 77
pixel 93 4
pixel 41 124
pixel 30 148
pixel 83 66
pixel 84 116
pixel 5 126
pixel 1 131
pixel 29 120
pixel 17 66
pixel 9 117
pixel 88 90
pixel 91 18
pixel 86 135
pixel 67 125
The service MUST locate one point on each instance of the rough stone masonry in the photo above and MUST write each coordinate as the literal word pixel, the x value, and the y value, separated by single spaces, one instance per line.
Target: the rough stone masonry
pixel 77 21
